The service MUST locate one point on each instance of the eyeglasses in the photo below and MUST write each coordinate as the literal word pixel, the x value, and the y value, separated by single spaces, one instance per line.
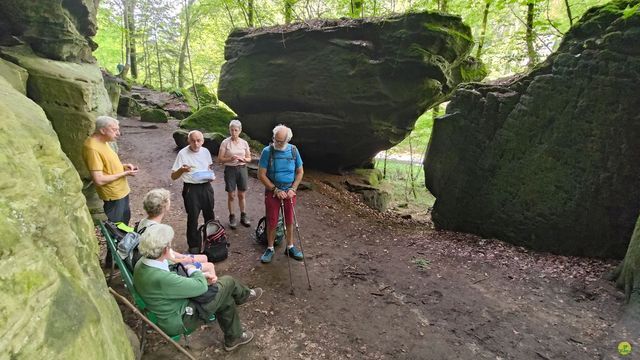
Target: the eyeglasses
pixel 279 141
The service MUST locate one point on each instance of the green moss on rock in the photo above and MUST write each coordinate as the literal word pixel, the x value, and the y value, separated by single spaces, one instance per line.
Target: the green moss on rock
pixel 154 116
pixel 211 118
pixel 57 299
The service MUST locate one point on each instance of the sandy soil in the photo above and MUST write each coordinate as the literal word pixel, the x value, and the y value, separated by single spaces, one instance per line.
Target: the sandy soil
pixel 384 287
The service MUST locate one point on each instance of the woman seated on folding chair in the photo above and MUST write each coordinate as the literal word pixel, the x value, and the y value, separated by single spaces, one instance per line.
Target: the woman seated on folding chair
pixel 169 295
pixel 156 204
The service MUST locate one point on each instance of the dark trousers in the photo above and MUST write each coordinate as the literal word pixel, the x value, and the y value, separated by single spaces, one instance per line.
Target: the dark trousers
pixel 197 197
pixel 118 210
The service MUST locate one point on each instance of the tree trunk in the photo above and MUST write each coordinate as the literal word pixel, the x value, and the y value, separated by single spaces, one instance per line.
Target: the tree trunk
pixel 183 46
pixel 159 66
pixel 566 4
pixel 250 13
pixel 627 277
pixel 442 5
pixel 356 8
pixel 129 7
pixel 195 89
pixel 531 52
pixel 288 10
pixel 485 15
pixel 233 25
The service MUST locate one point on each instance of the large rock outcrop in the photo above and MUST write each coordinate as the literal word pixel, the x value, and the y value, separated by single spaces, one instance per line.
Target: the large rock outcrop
pixel 550 160
pixel 55 303
pixel 347 88
pixel 55 29
pixel 72 95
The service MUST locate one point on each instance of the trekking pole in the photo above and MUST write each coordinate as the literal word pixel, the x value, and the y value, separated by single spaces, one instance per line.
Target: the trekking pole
pixel 304 259
pixel 284 225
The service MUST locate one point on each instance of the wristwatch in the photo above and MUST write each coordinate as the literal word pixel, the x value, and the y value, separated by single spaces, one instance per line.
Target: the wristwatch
pixel 274 188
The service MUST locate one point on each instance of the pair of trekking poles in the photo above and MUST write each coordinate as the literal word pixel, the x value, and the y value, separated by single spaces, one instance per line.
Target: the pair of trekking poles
pixel 304 258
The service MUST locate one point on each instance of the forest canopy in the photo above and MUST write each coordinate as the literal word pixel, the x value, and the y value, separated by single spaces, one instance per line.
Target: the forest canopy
pixel 169 44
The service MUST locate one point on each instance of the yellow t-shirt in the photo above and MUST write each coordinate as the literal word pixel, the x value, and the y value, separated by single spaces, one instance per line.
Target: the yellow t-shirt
pixel 99 156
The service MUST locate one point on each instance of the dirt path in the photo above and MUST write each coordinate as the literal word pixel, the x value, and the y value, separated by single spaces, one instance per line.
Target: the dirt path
pixel 385 288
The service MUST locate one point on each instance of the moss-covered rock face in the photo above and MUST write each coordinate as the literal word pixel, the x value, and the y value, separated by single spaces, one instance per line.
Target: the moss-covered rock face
pixel 15 75
pixel 211 118
pixel 154 116
pixel 549 161
pixel 128 106
pixel 56 29
pixel 347 88
pixel 72 96
pixel 205 96
pixel 55 303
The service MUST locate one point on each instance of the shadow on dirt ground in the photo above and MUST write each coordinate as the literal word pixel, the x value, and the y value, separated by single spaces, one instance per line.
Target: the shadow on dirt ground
pixel 384 287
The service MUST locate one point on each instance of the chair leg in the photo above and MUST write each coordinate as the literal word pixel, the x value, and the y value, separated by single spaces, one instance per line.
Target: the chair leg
pixel 143 338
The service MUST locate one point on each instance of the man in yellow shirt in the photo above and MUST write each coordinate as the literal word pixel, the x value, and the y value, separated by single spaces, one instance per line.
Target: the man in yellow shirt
pixel 107 172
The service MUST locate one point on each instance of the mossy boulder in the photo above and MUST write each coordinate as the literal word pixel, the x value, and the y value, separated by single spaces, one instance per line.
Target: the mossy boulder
pixel 55 301
pixel 370 176
pixel 377 199
pixel 72 96
pixel 128 106
pixel 549 160
pixel 205 96
pixel 382 75
pixel 210 118
pixel 153 116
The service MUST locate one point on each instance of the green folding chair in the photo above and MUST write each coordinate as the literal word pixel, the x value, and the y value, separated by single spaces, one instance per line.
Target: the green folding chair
pixel 127 278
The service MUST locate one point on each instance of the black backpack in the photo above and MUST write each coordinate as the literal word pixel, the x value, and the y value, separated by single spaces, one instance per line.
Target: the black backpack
pixel 261 231
pixel 214 241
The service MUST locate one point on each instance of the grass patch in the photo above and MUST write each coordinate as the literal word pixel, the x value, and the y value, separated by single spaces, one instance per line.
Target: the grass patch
pixel 421 263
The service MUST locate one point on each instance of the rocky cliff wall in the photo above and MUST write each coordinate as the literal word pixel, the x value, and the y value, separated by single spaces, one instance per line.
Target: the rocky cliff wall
pixel 55 303
pixel 550 160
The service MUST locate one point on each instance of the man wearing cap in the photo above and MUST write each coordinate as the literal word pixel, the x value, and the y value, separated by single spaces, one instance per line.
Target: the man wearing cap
pixel 195 166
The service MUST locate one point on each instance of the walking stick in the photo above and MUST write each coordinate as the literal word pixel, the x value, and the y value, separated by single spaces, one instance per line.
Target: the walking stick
pixel 284 225
pixel 304 259
pixel 154 326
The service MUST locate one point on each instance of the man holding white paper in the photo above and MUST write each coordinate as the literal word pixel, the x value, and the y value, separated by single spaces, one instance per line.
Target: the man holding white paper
pixel 195 165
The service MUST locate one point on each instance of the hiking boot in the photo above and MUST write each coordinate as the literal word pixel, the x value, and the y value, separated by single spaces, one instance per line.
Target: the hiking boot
pixel 267 256
pixel 233 223
pixel 254 294
pixel 194 250
pixel 244 221
pixel 245 338
pixel 294 253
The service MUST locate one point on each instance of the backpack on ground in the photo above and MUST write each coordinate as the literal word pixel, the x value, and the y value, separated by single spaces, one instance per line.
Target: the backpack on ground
pixel 214 241
pixel 261 231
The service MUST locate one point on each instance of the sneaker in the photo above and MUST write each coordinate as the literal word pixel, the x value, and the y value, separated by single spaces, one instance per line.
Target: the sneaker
pixel 232 221
pixel 245 338
pixel 294 253
pixel 244 221
pixel 267 256
pixel 254 294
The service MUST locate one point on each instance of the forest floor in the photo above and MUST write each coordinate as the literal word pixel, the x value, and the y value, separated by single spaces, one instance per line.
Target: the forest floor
pixel 384 287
